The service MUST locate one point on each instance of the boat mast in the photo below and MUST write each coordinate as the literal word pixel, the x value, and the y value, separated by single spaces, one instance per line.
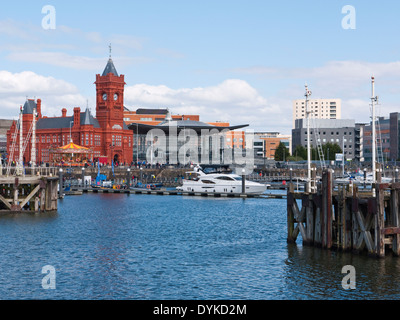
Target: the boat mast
pixel 307 94
pixel 33 150
pixel 21 155
pixel 373 100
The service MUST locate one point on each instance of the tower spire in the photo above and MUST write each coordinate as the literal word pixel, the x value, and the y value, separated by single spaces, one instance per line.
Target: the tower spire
pixel 109 47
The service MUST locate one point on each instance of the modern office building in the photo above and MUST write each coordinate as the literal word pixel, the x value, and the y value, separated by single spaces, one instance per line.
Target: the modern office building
pixel 4 127
pixel 382 140
pixel 387 139
pixel 271 141
pixel 320 108
pixel 359 142
pixel 175 141
pixel 153 116
pixel 339 131
pixel 395 136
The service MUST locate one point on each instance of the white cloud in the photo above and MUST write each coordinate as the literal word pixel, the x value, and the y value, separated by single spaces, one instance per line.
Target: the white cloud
pixel 54 93
pixel 349 81
pixel 233 100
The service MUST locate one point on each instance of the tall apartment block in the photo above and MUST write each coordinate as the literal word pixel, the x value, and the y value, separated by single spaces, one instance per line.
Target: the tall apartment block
pixel 320 108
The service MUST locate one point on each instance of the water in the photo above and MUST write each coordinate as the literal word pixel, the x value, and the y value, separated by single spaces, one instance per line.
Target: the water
pixel 118 246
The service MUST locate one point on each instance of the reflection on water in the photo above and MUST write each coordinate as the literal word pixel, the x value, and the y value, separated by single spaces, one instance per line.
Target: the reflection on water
pixel 111 246
pixel 313 273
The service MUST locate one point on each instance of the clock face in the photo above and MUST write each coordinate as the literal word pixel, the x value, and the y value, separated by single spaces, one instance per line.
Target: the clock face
pixel 105 97
pixel 115 96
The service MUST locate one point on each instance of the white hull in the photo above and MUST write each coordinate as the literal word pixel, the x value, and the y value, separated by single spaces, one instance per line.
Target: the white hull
pixel 250 187
pixel 220 183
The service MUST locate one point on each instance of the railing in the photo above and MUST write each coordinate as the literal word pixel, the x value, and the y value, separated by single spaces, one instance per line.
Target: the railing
pixel 29 171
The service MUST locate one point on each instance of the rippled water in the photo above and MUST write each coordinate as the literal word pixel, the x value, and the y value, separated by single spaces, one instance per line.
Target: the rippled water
pixel 111 246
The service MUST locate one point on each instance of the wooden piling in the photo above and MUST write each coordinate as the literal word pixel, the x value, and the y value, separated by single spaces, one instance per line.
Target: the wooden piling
pixel 28 193
pixel 347 219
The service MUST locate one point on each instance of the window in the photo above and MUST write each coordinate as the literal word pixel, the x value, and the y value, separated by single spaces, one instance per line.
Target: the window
pixel 208 181
pixel 226 178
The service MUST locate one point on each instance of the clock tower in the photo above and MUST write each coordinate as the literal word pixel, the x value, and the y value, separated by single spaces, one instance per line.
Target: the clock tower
pixel 116 138
pixel 110 97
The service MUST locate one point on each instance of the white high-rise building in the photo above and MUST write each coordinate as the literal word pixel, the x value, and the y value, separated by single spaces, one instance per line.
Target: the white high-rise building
pixel 320 108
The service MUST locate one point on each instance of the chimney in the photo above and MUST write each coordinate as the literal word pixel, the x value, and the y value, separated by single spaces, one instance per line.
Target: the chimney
pixel 77 117
pixel 64 112
pixel 39 108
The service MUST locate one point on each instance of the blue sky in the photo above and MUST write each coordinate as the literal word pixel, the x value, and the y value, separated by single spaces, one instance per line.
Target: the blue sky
pixel 236 61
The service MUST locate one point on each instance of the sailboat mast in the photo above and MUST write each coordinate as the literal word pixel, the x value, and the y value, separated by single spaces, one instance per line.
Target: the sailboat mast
pixel 21 155
pixel 373 100
pixel 307 94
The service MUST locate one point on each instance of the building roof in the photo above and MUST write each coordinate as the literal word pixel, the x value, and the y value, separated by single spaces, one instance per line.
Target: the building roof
pixel 325 123
pixel 151 111
pixel 64 122
pixel 110 68
pixel 29 106
pixel 180 125
pixel 87 119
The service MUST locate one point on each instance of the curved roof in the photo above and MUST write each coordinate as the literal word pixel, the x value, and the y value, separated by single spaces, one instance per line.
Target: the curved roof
pixel 140 128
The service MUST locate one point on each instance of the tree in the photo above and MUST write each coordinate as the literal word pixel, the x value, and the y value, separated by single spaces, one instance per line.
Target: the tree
pixel 281 153
pixel 330 149
pixel 300 152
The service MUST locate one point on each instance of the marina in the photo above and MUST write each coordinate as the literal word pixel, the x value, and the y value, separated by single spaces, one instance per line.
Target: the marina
pixel 228 248
pixel 178 151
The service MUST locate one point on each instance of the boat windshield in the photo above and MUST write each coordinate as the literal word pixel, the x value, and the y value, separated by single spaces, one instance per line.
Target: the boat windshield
pixel 238 178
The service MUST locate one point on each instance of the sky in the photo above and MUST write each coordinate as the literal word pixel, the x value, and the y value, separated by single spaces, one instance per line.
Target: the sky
pixel 238 61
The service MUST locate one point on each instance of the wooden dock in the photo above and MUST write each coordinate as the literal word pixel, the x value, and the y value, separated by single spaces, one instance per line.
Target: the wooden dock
pixel 32 192
pixel 165 192
pixel 346 219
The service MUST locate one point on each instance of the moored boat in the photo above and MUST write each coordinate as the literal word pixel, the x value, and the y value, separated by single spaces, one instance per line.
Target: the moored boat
pixel 219 183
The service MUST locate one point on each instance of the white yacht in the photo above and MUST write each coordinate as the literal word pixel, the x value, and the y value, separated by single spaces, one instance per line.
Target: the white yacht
pixel 220 183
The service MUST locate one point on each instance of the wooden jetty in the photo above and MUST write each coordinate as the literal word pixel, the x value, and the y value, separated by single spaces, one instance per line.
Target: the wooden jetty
pixel 172 192
pixel 346 219
pixel 32 192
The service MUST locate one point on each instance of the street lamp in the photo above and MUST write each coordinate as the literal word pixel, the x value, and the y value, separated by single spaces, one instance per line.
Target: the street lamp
pixel 128 182
pixel 70 136
pixel 83 176
pixel 365 176
pixel 60 183
pixel 243 181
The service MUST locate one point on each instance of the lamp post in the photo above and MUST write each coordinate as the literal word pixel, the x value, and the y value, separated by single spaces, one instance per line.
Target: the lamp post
pixel 365 177
pixel 141 174
pixel 128 178
pixel 70 136
pixel 83 176
pixel 243 181
pixel 60 183
pixel 396 177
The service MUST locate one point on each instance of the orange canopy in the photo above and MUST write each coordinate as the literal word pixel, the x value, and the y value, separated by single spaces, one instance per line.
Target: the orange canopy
pixel 72 148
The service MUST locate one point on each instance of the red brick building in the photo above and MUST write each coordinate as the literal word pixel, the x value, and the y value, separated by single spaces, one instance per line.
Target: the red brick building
pixel 106 134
